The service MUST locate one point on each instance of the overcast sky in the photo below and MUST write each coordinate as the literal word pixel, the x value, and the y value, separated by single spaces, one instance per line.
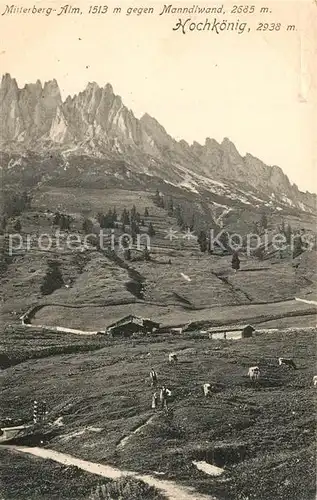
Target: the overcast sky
pixel 255 88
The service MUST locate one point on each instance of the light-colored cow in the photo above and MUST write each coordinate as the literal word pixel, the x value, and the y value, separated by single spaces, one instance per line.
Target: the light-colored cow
pixel 172 357
pixel 254 373
pixel 207 389
pixel 315 380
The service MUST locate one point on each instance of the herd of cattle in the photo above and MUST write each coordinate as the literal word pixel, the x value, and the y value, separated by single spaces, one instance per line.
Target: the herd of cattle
pixel 253 373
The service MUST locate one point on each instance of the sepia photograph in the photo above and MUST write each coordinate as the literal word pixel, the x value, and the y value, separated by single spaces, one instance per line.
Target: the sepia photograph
pixel 158 250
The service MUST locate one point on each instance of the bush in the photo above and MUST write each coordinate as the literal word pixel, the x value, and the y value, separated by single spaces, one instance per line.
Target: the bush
pixel 126 488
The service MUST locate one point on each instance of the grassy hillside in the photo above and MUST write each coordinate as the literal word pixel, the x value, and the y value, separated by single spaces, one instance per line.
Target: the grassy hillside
pixel 178 272
pixel 24 477
pixel 98 389
pixel 261 436
pixel 19 344
pixel 47 480
pixel 97 318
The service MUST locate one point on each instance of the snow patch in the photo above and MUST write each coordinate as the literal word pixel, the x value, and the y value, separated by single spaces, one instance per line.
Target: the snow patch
pixel 58 129
pixel 209 469
pixel 188 185
pixel 287 200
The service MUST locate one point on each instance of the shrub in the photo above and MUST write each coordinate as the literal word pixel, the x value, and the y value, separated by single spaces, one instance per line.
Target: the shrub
pixel 126 488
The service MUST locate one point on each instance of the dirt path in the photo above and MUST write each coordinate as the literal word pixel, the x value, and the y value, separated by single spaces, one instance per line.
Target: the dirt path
pixel 313 302
pixel 125 439
pixel 61 329
pixel 172 490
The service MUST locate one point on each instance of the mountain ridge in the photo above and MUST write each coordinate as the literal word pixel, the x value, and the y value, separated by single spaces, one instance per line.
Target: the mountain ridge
pixel 96 122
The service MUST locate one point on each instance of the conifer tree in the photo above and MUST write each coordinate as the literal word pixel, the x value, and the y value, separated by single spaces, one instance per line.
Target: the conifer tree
pixel 151 230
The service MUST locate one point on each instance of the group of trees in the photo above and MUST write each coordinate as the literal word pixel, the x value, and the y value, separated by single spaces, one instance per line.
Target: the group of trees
pixel 13 203
pixel 17 226
pixel 108 220
pixel 5 255
pixel 63 221
pixel 131 218
pixel 183 212
pixel 260 226
pixel 287 231
pixel 53 278
pixel 88 226
pixel 145 255
pixel 204 243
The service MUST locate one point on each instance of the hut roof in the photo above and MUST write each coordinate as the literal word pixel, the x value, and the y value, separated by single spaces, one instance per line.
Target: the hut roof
pixel 131 318
pixel 228 328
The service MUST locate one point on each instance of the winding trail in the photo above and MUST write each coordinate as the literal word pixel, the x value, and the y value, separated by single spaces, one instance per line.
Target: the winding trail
pixel 172 490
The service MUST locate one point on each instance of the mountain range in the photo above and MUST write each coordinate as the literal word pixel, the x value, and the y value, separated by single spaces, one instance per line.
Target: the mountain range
pixel 94 132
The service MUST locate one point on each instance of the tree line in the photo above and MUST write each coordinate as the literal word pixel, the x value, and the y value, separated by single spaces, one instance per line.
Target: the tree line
pixel 131 219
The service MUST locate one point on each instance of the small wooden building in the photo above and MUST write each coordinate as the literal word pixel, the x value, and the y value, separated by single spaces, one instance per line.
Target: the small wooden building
pixel 247 331
pixel 231 332
pixel 131 324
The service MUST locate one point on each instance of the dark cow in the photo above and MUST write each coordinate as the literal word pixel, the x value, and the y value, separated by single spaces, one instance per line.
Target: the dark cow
pixel 287 362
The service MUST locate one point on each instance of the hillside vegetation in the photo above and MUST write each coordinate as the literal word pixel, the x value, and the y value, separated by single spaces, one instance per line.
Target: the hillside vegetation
pixel 97 388
pixel 261 436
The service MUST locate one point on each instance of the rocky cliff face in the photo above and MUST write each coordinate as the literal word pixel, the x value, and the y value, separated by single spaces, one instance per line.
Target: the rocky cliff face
pixel 27 114
pixel 96 122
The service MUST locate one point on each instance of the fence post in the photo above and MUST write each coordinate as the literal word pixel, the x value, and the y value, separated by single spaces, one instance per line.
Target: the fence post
pixel 39 411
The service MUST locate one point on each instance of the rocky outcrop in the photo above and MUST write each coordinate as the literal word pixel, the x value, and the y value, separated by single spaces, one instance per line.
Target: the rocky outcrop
pixel 27 114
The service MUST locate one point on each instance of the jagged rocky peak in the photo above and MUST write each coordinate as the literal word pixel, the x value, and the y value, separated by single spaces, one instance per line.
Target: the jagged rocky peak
pixel 184 144
pixel 8 84
pixel 109 88
pixel 6 80
pixel 211 143
pixel 229 147
pixel 92 89
pixel 51 88
pixel 33 88
pixel 35 116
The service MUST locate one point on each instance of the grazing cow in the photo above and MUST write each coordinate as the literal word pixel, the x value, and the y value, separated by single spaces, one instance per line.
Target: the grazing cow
pixel 287 362
pixel 153 376
pixel 172 357
pixel 207 389
pixel 254 373
pixel 315 380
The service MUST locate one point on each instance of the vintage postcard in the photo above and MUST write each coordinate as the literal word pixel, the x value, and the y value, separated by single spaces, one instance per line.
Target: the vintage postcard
pixel 158 250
